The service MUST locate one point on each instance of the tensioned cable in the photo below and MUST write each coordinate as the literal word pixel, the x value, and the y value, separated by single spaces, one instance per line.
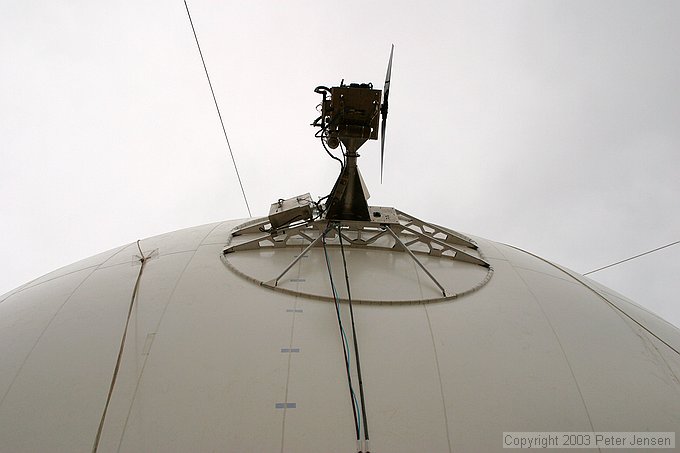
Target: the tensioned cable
pixel 598 294
pixel 356 345
pixel 631 258
pixel 135 291
pixel 218 109
pixel 343 340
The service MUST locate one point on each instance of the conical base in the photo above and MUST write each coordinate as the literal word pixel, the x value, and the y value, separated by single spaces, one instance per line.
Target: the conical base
pixel 348 200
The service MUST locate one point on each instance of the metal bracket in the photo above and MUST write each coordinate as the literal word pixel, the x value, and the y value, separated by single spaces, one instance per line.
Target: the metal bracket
pixel 406 249
pixel 417 236
pixel 391 230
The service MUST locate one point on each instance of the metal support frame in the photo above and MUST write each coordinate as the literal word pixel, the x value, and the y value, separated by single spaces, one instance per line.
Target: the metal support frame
pixel 286 234
pixel 458 254
pixel 414 232
pixel 406 249
pixel 408 234
pixel 450 237
pixel 312 244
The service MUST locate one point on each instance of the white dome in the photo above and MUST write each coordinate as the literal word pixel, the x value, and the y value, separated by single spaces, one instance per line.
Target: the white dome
pixel 214 361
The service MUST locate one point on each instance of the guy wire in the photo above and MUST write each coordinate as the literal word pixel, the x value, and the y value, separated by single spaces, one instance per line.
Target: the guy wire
pixel 218 109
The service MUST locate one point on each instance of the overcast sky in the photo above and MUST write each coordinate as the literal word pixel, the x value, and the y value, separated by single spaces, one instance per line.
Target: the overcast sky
pixel 552 126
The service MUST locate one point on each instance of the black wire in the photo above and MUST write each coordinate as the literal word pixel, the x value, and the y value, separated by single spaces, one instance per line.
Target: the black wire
pixel 342 335
pixel 323 134
pixel 218 109
pixel 321 209
pixel 354 337
pixel 342 165
pixel 323 126
pixel 632 258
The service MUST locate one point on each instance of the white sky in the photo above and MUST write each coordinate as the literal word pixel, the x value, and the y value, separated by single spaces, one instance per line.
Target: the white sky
pixel 552 126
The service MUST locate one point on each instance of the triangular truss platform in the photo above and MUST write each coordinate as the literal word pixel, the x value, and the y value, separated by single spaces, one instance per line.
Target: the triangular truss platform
pixel 388 229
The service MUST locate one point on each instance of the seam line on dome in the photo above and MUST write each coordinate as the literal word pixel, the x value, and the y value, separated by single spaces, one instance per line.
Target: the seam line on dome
pixel 135 292
pixel 436 363
pixel 49 323
pixel 610 303
pixel 559 343
pixel 157 330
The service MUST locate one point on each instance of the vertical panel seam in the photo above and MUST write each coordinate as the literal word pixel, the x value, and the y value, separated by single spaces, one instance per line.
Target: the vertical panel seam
pixel 157 328
pixel 557 338
pixel 49 323
pixel 436 362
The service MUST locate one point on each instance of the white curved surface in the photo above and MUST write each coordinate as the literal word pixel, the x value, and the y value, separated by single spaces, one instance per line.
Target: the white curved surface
pixel 533 350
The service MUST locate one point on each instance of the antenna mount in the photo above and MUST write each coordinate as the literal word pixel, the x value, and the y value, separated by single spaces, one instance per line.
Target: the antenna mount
pixel 350 116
